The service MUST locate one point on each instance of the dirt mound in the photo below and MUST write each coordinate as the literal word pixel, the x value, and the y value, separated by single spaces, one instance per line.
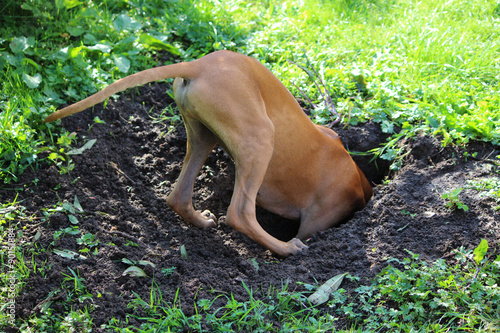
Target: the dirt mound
pixel 123 180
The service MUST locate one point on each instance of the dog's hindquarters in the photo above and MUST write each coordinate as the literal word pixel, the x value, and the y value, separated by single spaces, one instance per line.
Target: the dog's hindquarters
pixel 236 117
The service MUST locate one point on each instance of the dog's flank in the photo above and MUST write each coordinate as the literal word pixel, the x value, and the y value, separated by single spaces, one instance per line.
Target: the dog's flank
pixel 235 101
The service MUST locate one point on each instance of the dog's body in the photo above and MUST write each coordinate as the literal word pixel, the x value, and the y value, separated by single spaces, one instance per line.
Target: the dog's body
pixel 284 162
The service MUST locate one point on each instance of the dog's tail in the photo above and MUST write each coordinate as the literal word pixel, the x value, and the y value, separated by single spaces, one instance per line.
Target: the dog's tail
pixel 183 69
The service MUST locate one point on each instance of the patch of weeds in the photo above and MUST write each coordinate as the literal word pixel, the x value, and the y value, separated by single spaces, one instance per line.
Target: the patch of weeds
pixel 67 319
pixel 97 120
pixel 73 231
pixel 453 200
pixel 76 321
pixel 432 297
pixel 70 209
pixel 280 311
pixel 21 140
pixel 50 321
pixel 168 271
pixel 325 110
pixel 89 242
pixel 41 268
pixel 487 187
pixel 131 243
pixel 14 271
pixel 169 116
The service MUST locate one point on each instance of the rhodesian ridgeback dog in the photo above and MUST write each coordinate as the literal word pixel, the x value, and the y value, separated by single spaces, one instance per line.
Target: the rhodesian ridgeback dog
pixel 284 162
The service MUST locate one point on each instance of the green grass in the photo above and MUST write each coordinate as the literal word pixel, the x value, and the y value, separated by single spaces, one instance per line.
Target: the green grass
pixel 14 272
pixel 414 296
pixel 414 67
pixel 409 295
pixel 431 67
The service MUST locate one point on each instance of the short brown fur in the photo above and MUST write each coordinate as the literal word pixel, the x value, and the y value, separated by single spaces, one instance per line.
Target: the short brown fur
pixel 284 162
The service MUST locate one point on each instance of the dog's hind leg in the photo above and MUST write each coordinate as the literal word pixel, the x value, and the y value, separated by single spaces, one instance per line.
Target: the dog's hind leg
pixel 200 142
pixel 254 151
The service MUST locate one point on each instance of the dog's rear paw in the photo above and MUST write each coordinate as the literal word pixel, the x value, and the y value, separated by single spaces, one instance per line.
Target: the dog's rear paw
pixel 295 246
pixel 204 219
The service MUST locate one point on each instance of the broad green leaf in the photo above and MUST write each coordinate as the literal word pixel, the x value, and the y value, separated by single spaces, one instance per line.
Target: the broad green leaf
pixel 62 54
pixel 28 61
pixel 71 3
pixel 75 31
pixel 69 254
pixel 73 52
pixel 73 219
pixel 19 44
pixel 124 22
pixel 128 261
pixel 134 271
pixel 72 230
pixel 59 4
pixel 184 254
pixel 88 38
pixel 122 63
pixel 157 44
pixel 480 251
pixel 32 81
pixel 104 48
pixel 78 151
pixel 323 293
pixel 69 208
pixel 77 205
pixel 145 263
pixel 13 60
pixel 98 120
pixel 433 122
pixel 50 93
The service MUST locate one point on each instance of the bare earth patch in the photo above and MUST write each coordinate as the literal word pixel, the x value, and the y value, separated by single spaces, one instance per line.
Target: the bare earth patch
pixel 123 181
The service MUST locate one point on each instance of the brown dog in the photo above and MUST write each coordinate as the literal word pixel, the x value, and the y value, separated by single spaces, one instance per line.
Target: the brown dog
pixel 284 162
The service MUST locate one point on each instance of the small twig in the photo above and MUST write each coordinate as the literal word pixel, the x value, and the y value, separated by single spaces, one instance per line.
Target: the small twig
pixel 113 164
pixel 478 268
pixel 58 296
pixel 324 95
pixel 486 160
pixel 305 96
pixel 126 235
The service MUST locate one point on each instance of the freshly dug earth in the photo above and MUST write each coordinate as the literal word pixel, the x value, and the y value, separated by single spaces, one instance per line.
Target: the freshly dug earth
pixel 123 180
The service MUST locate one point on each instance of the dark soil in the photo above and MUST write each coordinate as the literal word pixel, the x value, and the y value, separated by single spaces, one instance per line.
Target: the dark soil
pixel 123 180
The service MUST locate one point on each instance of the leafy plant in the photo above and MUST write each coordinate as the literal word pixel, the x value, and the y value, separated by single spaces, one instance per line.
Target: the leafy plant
pixel 428 296
pixel 89 241
pixel 74 281
pixel 133 269
pixel 70 209
pixel 453 201
pixel 168 271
